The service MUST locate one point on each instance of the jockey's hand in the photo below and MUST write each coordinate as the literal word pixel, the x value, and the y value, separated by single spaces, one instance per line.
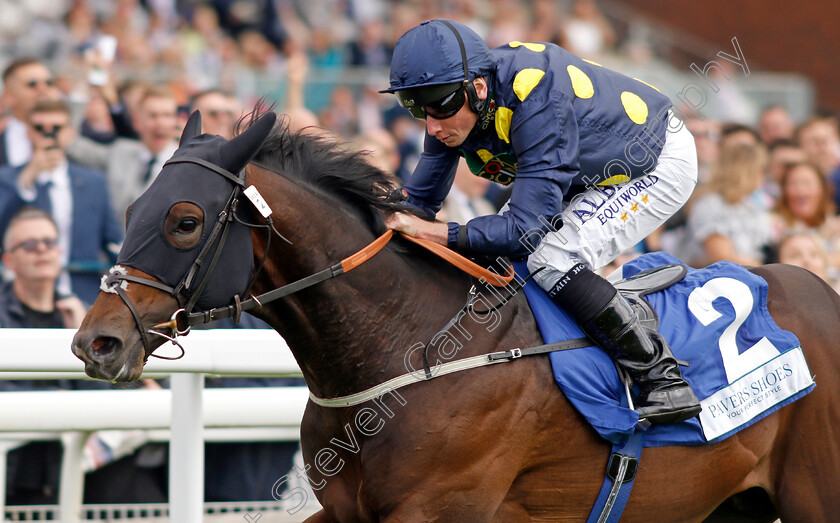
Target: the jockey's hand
pixel 413 226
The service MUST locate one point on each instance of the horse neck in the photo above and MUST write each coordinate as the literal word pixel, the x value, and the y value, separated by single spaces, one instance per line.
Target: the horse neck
pixel 353 331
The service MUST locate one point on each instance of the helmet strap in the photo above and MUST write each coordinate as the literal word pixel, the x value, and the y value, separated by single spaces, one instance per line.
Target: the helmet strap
pixel 487 111
pixel 475 103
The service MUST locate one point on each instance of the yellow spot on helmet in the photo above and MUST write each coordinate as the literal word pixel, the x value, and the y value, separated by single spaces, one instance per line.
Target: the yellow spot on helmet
pixel 591 62
pixel 537 48
pixel 580 82
pixel 618 179
pixel 485 155
pixel 647 84
pixel 635 107
pixel 525 81
pixel 503 118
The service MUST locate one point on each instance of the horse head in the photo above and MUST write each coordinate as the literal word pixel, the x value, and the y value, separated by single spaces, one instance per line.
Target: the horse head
pixel 187 245
pixel 194 245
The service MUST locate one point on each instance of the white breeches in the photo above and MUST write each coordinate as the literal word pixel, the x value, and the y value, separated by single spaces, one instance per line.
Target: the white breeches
pixel 603 222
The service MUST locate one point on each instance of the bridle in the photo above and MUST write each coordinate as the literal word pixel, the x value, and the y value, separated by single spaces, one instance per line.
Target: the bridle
pixel 183 319
pixel 113 281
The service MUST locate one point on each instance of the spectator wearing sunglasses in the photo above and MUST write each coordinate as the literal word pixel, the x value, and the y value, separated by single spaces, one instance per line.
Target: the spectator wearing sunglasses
pixel 30 249
pixel 76 197
pixel 218 113
pixel 31 252
pixel 29 301
pixel 598 160
pixel 25 82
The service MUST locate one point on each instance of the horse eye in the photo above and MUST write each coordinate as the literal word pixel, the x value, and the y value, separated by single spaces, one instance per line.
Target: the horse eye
pixel 187 225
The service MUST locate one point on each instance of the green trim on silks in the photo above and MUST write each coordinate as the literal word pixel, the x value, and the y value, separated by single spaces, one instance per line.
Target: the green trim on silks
pixel 499 168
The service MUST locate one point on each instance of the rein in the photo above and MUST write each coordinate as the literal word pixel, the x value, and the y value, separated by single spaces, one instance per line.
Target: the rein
pixel 344 266
pixel 183 319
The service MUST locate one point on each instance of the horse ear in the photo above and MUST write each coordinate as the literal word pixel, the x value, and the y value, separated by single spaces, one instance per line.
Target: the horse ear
pixel 238 152
pixel 192 128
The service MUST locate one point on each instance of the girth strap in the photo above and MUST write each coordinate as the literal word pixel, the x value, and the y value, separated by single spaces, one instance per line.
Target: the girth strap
pixel 574 343
pixel 635 288
pixel 447 368
pixel 618 480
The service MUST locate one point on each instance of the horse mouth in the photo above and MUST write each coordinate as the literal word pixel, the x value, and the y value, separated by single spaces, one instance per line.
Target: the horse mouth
pixel 123 374
pixel 102 359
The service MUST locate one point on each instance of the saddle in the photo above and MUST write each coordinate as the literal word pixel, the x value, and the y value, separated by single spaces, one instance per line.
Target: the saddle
pixel 636 287
pixel 594 388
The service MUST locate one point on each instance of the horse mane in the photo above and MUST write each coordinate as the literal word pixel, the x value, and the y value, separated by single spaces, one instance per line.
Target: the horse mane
pixel 329 168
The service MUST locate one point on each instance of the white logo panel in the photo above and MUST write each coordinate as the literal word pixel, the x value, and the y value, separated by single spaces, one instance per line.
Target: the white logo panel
pixel 754 393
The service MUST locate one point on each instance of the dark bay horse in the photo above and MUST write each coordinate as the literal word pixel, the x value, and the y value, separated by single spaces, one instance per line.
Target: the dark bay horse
pixel 499 443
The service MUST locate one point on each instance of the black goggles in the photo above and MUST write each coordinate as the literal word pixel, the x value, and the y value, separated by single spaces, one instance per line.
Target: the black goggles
pixel 439 101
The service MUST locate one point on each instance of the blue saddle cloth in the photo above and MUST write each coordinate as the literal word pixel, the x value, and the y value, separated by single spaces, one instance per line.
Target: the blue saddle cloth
pixel 742 365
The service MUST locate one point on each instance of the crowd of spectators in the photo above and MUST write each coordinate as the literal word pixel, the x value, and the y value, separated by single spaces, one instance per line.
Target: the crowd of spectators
pixel 766 194
pixel 86 125
pixel 121 467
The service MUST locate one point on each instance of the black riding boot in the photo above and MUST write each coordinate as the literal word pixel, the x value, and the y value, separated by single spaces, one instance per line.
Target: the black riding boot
pixel 665 396
pixel 609 319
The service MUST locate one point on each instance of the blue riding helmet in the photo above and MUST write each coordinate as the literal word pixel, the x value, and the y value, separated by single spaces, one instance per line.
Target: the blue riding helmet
pixel 432 62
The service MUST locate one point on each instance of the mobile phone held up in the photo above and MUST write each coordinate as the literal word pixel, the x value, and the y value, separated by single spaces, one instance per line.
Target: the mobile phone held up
pixel 106 48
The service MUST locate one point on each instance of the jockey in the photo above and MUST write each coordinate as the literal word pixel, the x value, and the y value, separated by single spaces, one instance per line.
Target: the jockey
pixel 599 162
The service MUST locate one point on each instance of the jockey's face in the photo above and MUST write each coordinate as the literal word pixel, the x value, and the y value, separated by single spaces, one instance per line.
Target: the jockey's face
pixel 454 130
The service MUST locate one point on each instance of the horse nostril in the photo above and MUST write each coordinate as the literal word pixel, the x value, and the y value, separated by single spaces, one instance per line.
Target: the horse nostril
pixel 104 346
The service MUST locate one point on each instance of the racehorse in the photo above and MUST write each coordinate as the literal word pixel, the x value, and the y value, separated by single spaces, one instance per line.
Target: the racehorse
pixel 499 443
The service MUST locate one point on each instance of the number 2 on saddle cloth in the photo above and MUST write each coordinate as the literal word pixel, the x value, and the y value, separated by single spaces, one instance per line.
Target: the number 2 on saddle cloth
pixel 742 366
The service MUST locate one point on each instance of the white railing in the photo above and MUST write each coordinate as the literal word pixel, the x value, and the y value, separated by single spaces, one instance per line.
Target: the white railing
pixel 186 409
pixel 258 352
